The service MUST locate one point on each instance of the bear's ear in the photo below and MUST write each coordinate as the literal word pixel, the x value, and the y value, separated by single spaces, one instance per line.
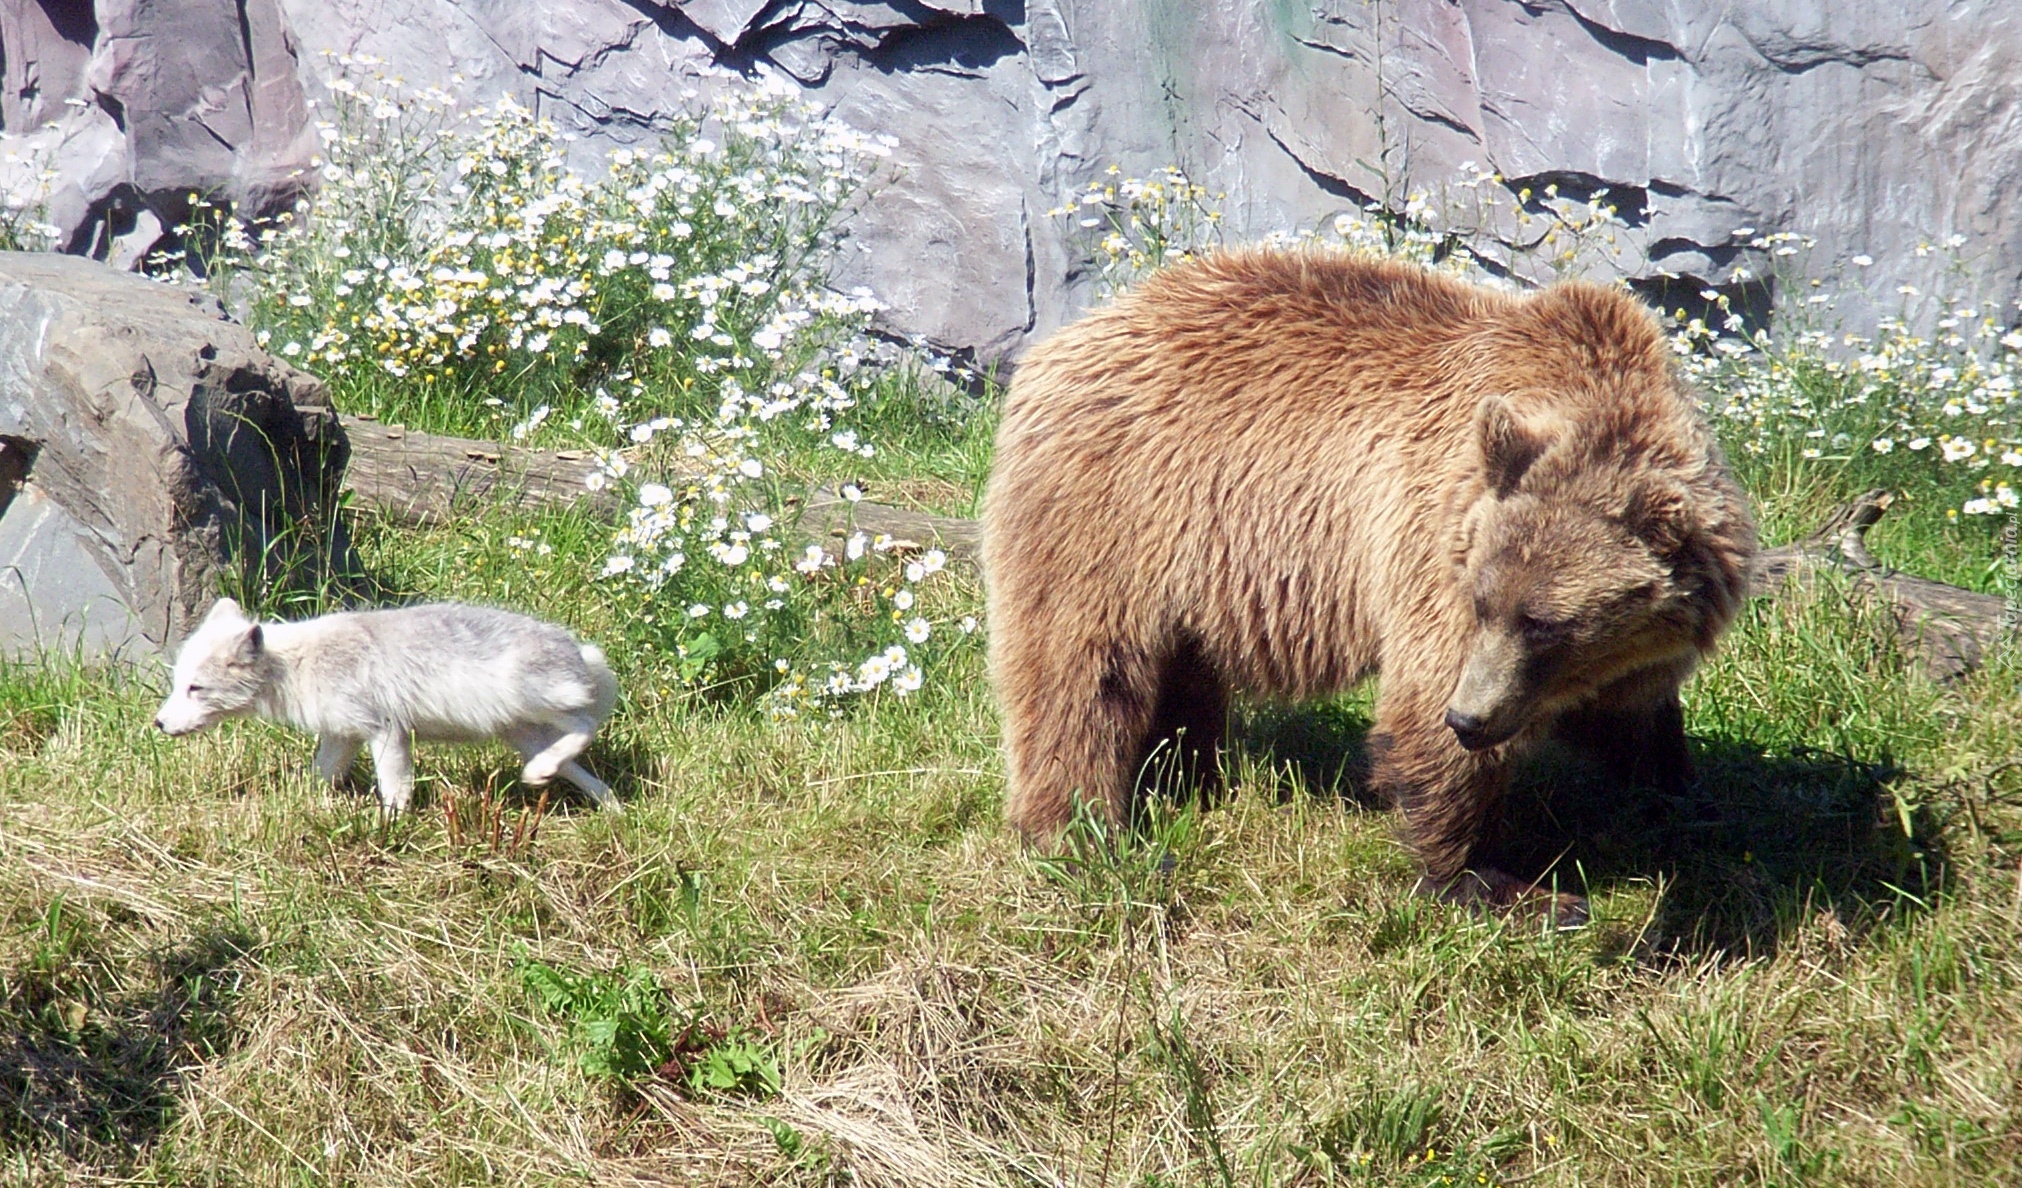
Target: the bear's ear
pixel 1658 512
pixel 1508 446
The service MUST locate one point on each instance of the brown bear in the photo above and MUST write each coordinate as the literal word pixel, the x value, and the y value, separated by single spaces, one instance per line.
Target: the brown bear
pixel 1279 472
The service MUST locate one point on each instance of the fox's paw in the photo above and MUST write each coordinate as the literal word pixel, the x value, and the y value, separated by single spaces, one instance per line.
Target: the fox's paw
pixel 539 770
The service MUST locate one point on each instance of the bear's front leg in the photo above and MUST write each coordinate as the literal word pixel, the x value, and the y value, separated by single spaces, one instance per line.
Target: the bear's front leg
pixel 1636 729
pixel 1446 793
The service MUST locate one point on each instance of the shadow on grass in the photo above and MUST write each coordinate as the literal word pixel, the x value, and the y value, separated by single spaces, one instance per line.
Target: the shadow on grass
pixel 619 759
pixel 1761 843
pixel 93 1069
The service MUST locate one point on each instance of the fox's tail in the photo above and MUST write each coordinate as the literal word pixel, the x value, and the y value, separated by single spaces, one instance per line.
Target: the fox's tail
pixel 602 678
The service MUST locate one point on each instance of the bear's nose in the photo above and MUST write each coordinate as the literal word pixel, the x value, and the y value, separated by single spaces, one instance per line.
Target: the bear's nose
pixel 1464 724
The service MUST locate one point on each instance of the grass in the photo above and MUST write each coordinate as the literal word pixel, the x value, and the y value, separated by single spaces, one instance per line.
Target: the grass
pixel 809 954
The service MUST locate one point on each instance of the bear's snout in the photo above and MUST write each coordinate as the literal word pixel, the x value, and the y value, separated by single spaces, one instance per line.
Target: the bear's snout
pixel 1490 701
pixel 1475 732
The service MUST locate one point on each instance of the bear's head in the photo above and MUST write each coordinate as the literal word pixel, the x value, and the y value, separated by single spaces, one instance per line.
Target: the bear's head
pixel 1592 554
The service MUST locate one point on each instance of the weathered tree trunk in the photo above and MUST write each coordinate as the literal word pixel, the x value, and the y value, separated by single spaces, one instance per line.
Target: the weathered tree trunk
pixel 1948 629
pixel 422 477
pixel 425 478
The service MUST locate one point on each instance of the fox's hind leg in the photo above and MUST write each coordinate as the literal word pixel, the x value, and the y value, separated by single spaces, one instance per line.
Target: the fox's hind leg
pixel 393 763
pixel 570 734
pixel 334 757
pixel 537 742
pixel 599 791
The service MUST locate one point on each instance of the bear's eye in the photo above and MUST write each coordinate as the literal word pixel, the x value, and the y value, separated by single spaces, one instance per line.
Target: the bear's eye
pixel 1543 632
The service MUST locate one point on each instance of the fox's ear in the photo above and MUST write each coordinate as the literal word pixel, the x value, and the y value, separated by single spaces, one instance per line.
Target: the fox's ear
pixel 251 644
pixel 224 608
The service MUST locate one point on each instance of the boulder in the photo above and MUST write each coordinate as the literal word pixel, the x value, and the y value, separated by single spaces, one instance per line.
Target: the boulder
pixel 115 112
pixel 150 451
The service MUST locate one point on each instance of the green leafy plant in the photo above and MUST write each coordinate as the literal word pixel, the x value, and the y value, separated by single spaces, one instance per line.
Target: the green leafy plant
pixel 626 1024
pixel 631 1031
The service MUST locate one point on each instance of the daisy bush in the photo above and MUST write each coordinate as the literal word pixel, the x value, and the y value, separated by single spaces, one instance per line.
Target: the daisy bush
pixel 670 311
pixel 1136 225
pixel 1936 411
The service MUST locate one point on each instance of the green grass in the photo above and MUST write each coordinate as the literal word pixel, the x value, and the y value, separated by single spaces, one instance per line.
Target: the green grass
pixel 810 954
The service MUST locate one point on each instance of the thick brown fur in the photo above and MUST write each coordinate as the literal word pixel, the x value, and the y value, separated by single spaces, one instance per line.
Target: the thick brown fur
pixel 1278 473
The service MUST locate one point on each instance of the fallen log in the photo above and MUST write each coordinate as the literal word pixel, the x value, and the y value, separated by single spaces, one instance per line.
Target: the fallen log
pixel 422 477
pixel 1949 630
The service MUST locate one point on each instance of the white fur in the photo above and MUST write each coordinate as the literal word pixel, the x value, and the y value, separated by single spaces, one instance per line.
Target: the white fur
pixel 440 672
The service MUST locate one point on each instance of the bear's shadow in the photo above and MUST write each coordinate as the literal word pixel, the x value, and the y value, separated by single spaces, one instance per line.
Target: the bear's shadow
pixel 1762 842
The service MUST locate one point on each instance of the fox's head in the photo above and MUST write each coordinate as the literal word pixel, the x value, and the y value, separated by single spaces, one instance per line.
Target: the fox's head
pixel 218 674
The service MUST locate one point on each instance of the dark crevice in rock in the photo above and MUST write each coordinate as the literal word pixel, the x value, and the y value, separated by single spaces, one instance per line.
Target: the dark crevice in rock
pixel 1753 300
pixel 73 21
pixel 1795 56
pixel 216 135
pixel 1328 47
pixel 1719 254
pixel 961 45
pixel 1031 268
pixel 17 459
pixel 1631 203
pixel 1434 116
pixel 1640 50
pixel 588 62
pixel 246 82
pixel 106 220
pixel 112 107
pixel 928 39
pixel 594 110
pixel 670 21
pixel 1327 182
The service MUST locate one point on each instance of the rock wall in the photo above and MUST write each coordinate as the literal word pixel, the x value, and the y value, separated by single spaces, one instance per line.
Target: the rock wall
pixel 1877 128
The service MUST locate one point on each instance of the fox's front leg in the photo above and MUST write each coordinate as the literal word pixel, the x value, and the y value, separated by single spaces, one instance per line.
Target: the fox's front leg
pixel 334 757
pixel 393 763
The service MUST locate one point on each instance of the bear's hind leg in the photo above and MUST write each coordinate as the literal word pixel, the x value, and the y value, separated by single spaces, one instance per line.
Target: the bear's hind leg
pixel 1074 721
pixel 1183 746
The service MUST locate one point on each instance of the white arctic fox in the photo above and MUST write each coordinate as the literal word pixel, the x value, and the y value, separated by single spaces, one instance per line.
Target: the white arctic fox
pixel 440 672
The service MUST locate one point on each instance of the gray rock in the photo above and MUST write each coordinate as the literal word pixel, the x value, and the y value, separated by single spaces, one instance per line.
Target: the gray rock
pixel 1878 129
pixel 136 104
pixel 151 448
